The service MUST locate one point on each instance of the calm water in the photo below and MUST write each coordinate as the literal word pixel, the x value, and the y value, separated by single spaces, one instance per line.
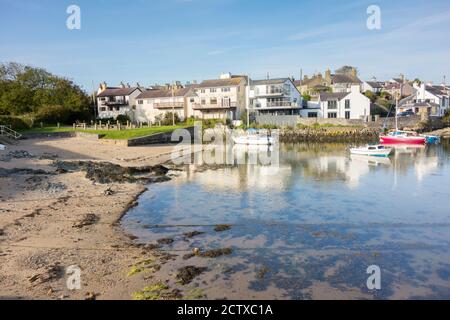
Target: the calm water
pixel 310 227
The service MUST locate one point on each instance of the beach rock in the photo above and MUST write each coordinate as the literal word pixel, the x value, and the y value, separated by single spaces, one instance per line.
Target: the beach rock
pixel 88 219
pixel 222 227
pixel 105 172
pixel 187 274
pixel 17 154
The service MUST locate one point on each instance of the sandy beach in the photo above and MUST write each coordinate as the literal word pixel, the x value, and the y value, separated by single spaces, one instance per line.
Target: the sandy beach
pixel 51 220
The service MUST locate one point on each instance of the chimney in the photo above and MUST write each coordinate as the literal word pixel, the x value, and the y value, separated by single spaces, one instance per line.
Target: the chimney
pixel 354 73
pixel 305 78
pixel 402 76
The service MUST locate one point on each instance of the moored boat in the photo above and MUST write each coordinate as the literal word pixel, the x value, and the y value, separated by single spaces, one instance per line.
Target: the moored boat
pixel 254 137
pixel 403 137
pixel 253 140
pixel 372 150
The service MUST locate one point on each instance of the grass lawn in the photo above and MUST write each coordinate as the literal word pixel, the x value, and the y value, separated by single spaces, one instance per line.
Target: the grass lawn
pixel 110 134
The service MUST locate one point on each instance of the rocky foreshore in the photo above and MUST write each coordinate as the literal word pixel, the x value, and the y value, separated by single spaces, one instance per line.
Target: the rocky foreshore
pixel 331 134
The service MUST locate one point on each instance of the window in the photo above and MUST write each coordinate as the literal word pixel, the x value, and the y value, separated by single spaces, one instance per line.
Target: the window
pixel 332 115
pixel 103 109
pixel 192 100
pixel 347 104
pixel 203 101
pixel 312 114
pixel 140 101
pixel 332 104
pixel 103 99
pixel 226 89
pixel 203 91
pixel 347 114
pixel 226 102
pixel 213 101
pixel 213 90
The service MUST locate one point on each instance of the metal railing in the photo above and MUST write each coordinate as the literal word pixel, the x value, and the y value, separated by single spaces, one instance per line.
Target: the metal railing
pixel 6 131
pixel 168 105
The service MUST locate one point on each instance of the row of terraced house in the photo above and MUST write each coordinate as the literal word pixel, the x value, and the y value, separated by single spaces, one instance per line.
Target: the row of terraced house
pixel 229 96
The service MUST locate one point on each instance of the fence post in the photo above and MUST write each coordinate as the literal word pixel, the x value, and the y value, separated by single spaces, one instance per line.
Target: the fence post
pixel 42 125
pixel 74 126
pixel 58 125
pixel 84 126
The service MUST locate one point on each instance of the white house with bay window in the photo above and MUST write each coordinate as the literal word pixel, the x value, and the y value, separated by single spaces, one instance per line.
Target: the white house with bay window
pixel 343 105
pixel 273 96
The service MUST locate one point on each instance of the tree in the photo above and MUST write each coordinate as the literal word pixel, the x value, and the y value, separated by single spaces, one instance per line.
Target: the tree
pixel 26 90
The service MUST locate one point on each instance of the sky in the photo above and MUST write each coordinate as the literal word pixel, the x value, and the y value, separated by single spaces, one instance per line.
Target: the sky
pixel 160 41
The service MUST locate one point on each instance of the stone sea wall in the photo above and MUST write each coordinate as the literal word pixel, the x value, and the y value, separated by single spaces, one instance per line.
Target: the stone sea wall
pixel 337 134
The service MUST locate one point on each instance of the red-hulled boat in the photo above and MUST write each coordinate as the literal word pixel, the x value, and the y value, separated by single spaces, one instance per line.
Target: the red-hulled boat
pixel 402 137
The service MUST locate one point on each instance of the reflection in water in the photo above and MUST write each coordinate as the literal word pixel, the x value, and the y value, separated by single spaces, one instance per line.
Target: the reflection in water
pixel 314 223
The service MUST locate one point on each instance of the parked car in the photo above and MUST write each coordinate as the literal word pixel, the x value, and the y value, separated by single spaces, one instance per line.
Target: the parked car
pixel 407 113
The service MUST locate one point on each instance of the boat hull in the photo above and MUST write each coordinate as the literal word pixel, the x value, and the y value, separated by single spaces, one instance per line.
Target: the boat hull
pixel 372 153
pixel 258 141
pixel 402 140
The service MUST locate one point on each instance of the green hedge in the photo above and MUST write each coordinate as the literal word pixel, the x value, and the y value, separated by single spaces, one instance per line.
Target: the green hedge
pixel 16 123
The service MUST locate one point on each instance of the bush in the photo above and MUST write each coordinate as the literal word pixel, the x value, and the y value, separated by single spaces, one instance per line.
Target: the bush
pixel 52 114
pixel 17 123
pixel 123 119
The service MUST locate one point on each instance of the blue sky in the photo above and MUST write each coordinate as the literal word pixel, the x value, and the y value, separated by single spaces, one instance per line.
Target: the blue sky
pixel 150 41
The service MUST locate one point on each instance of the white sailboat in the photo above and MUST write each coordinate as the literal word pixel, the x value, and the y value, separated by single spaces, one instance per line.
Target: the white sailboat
pixel 372 150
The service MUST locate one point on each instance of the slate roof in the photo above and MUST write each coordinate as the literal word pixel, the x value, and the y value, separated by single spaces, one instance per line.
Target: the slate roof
pixel 112 92
pixel 375 84
pixel 234 81
pixel 343 78
pixel 333 96
pixel 153 94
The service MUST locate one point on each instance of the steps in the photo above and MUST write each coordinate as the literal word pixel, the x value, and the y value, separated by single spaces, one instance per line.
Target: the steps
pixel 8 136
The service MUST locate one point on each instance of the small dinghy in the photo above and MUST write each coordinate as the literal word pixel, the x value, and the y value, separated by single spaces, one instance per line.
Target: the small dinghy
pixel 2 147
pixel 254 137
pixel 375 151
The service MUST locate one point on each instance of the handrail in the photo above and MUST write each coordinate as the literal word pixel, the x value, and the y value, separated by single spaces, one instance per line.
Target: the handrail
pixel 8 132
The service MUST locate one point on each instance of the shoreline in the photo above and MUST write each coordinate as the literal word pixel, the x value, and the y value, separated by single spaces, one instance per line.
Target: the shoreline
pixel 52 221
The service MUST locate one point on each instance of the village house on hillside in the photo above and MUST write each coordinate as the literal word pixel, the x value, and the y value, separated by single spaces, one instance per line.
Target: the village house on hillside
pixel 274 96
pixel 427 100
pixel 223 98
pixel 339 105
pixel 341 81
pixel 115 101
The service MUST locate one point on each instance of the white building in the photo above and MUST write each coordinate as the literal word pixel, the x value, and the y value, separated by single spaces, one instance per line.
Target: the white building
pixel 222 98
pixel 373 86
pixel 274 96
pixel 428 100
pixel 112 102
pixel 153 104
pixel 343 105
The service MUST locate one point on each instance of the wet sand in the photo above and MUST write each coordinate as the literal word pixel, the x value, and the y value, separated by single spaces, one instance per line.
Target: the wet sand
pixel 51 221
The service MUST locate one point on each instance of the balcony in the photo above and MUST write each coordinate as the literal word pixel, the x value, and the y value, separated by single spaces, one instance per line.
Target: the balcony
pixel 198 106
pixel 271 92
pixel 278 105
pixel 169 105
pixel 115 103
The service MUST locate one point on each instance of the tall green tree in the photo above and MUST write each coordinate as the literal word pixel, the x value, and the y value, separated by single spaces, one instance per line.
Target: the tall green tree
pixel 26 90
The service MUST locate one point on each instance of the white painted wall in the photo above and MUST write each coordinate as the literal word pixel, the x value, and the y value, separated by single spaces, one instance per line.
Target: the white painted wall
pixel 359 105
